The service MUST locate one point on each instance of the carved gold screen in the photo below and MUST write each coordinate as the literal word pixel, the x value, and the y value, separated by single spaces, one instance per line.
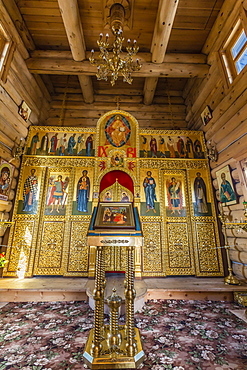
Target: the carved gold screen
pixel 60 184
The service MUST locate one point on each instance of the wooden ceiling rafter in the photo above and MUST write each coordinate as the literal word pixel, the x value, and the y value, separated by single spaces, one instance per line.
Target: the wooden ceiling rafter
pixel 67 66
pixel 143 57
pixel 162 30
pixel 171 36
pixel 10 12
pixel 73 27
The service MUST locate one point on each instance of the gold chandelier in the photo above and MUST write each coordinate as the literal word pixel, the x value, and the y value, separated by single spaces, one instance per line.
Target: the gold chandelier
pixel 111 63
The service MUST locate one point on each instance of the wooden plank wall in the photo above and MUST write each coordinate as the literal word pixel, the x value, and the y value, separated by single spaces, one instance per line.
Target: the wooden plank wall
pixel 20 85
pixel 77 113
pixel 228 127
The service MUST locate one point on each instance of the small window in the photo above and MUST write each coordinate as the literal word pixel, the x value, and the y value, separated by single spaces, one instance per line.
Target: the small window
pixel 6 49
pixel 234 53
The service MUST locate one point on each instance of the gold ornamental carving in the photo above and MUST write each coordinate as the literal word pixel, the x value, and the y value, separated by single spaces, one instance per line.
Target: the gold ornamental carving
pixel 49 260
pixel 152 247
pixel 143 131
pixel 150 219
pixel 173 164
pixel 54 244
pixel 203 219
pixel 48 161
pixel 115 258
pixel 24 217
pixel 180 259
pixel 207 254
pixel 78 248
pixel 241 298
pixel 21 249
pixel 61 129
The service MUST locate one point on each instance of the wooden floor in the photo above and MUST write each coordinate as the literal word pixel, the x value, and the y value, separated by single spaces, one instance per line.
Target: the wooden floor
pixel 66 289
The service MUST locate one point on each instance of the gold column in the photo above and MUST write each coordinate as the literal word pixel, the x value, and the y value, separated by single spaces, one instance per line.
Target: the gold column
pixel 114 302
pixel 92 261
pixel 103 285
pixel 130 294
pixel 98 295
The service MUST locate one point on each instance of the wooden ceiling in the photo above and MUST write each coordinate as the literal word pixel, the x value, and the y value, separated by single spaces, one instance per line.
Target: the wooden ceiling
pixel 169 33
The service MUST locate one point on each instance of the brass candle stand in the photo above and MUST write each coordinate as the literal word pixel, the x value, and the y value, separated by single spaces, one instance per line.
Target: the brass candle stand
pixel 241 298
pixel 4 225
pixel 231 279
pixel 113 346
pixel 114 341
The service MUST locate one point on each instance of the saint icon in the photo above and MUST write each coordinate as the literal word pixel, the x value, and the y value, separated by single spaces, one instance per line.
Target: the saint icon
pixel 149 189
pixel 117 131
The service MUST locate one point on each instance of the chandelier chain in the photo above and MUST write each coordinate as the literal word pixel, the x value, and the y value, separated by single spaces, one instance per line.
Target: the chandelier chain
pixel 170 104
pixel 61 116
pixel 114 62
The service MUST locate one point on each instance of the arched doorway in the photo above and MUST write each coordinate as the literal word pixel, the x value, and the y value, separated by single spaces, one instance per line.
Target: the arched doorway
pixel 116 186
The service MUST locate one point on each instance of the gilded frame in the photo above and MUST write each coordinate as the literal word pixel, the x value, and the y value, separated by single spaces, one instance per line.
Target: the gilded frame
pixel 114 215
pixel 227 192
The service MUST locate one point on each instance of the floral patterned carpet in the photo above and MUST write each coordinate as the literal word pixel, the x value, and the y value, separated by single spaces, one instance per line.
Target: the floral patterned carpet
pixel 176 335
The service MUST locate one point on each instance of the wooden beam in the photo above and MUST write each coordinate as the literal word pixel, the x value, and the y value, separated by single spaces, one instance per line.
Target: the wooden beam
pixel 143 57
pixel 162 29
pixel 149 89
pixel 69 67
pixel 107 98
pixel 42 87
pixel 71 19
pixel 87 88
pixel 49 85
pixel 72 23
pixel 134 107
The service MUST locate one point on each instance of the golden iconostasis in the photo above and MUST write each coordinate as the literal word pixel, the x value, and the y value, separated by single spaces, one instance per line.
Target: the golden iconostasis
pixel 66 171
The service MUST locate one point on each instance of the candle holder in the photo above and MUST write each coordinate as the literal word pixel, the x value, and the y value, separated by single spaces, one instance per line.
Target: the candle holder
pixel 4 225
pixel 230 279
pixel 245 210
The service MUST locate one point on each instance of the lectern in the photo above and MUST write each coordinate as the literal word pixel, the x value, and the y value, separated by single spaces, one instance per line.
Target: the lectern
pixel 114 346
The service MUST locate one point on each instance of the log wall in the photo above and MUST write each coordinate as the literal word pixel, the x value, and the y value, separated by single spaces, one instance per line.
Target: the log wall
pixel 228 127
pixel 20 85
pixel 162 114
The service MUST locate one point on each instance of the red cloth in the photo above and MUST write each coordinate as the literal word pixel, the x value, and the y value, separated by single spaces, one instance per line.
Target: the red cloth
pixel 123 178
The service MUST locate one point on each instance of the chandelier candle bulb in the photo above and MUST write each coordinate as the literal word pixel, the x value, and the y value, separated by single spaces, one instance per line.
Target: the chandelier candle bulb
pixel 113 63
pixel 245 210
